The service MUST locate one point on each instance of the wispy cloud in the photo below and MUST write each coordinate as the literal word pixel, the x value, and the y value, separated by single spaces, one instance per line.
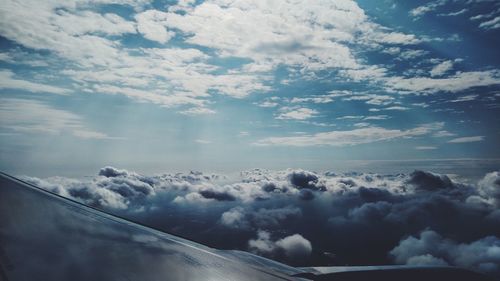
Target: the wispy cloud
pixel 427 8
pixel 301 113
pixel 454 14
pixel 467 139
pixel 425 147
pixel 443 133
pixel 491 24
pixel 194 111
pixel 36 117
pixel 455 83
pixel 441 68
pixel 465 98
pixel 7 81
pixel 202 141
pixel 352 137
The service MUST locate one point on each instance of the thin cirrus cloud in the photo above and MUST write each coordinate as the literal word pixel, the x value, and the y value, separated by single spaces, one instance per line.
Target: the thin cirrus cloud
pixel 8 81
pixel 425 147
pixel 300 113
pixel 467 139
pixel 352 137
pixel 30 116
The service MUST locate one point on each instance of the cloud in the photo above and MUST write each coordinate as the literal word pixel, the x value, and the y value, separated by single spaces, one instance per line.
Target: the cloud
pixel 7 81
pixel 465 98
pixel 467 139
pixel 219 196
pixel 85 43
pixel 268 104
pixel 304 179
pixel 91 49
pixel 397 107
pixel 349 117
pixel 372 99
pixel 443 133
pixel 489 187
pixel 194 111
pixel 111 172
pixel 427 181
pixel 491 24
pixel 441 68
pixel 32 116
pixel 234 218
pixel 255 34
pixel 352 137
pixel 314 99
pixel 152 25
pixel 301 113
pixel 429 7
pixel 92 195
pixel 454 14
pixel 88 22
pixel 432 249
pixel 294 246
pixel 201 141
pixel 489 20
pixel 239 217
pixel 263 243
pixel 425 147
pixel 377 117
pixel 155 98
pixel 454 83
pixel 411 54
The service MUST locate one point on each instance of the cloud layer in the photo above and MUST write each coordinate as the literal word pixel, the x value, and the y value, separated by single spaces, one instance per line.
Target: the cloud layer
pixel 308 218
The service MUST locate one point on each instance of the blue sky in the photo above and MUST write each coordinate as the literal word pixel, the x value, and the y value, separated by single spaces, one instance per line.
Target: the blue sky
pixel 229 85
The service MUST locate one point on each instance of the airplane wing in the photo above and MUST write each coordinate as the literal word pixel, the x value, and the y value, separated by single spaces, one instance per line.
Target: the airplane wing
pixel 44 236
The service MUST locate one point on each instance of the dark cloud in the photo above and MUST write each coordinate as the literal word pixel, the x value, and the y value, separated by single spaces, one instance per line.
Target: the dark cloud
pixel 306 194
pixel 269 187
pixel 273 213
pixel 112 172
pixel 239 217
pixel 220 196
pixel 427 181
pixel 374 194
pixel 305 179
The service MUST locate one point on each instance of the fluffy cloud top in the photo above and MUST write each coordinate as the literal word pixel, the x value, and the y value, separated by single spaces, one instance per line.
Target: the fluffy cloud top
pixel 432 249
pixel 152 25
pixel 293 247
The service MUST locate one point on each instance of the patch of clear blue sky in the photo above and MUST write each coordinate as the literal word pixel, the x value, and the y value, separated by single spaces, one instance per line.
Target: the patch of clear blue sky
pixel 148 137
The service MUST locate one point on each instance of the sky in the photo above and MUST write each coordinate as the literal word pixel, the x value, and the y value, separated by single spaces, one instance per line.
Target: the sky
pixel 326 132
pixel 224 85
